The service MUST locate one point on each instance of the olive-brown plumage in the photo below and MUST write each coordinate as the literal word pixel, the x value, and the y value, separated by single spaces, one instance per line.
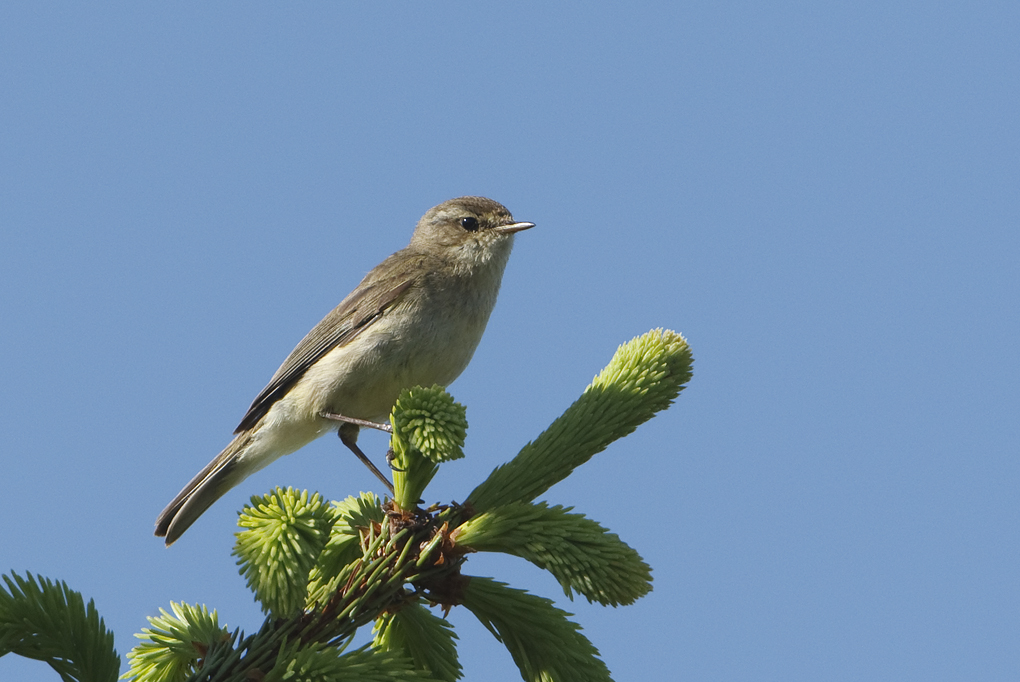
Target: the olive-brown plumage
pixel 414 320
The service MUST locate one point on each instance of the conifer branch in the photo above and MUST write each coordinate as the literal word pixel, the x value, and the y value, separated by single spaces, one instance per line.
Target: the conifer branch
pixel 50 622
pixel 426 639
pixel 545 645
pixel 645 376
pixel 583 555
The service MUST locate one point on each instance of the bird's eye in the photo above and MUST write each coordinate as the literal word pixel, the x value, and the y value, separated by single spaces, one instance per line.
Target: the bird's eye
pixel 470 224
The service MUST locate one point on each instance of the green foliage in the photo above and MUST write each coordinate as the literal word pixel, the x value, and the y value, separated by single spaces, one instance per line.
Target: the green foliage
pixel 425 639
pixel 170 649
pixel 50 622
pixel 545 645
pixel 305 645
pixel 428 428
pixel 583 555
pixel 324 571
pixel 286 531
pixel 320 663
pixel 343 548
pixel 645 376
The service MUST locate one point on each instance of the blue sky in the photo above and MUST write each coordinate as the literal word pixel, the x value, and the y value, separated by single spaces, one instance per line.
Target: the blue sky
pixel 822 197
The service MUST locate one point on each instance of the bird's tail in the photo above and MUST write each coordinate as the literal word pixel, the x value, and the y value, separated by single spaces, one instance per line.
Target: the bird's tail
pixel 209 485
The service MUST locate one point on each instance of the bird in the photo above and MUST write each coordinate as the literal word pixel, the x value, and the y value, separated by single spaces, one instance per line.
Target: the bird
pixel 414 320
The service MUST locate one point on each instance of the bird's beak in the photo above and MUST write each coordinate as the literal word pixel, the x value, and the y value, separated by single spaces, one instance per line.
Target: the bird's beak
pixel 514 227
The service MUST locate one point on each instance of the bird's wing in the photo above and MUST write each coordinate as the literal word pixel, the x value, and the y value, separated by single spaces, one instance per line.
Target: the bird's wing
pixel 376 293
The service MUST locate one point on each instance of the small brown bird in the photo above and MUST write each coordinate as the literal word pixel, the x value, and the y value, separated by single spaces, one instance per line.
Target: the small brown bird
pixel 415 320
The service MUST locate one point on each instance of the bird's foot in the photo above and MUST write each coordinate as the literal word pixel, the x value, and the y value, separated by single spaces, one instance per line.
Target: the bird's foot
pixel 390 456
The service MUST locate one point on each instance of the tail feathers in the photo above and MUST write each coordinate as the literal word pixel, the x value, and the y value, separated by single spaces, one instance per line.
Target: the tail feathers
pixel 209 485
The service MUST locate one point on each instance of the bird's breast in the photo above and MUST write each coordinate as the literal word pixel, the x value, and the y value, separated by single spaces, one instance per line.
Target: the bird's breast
pixel 427 338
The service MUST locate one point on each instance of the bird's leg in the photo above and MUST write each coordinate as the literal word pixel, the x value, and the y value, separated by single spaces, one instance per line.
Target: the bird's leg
pixel 390 455
pixel 348 433
pixel 357 422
